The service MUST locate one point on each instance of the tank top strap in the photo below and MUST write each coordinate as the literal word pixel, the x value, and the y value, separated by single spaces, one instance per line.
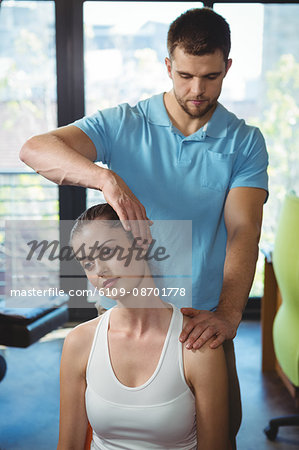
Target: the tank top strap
pixel 173 357
pixel 98 340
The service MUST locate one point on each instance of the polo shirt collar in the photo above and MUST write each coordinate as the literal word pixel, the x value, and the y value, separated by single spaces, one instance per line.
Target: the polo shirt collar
pixel 216 127
pixel 157 113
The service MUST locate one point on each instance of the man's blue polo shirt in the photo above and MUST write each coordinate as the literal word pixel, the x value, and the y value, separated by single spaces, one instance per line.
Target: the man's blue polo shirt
pixel 182 178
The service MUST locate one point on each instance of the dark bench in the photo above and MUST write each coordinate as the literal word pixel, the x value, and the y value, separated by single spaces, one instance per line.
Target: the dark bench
pixel 21 327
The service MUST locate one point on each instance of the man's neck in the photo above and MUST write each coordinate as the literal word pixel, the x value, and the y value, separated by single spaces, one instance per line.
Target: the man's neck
pixel 180 119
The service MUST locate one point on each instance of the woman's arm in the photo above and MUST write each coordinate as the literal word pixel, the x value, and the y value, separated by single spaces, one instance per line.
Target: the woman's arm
pixel 206 374
pixel 73 419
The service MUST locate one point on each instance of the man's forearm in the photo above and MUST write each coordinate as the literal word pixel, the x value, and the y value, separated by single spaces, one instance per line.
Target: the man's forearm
pixel 239 269
pixel 65 156
pixel 51 157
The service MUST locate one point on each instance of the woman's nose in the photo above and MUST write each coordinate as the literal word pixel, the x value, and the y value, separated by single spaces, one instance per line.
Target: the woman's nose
pixel 100 269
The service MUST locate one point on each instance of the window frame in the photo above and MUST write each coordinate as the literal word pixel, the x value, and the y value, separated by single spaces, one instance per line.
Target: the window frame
pixel 70 81
pixel 71 101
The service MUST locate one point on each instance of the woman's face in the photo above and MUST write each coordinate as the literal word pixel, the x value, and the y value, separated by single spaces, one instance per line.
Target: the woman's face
pixel 107 257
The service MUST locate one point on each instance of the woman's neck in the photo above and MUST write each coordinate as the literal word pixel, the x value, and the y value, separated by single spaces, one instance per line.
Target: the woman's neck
pixel 141 312
pixel 137 322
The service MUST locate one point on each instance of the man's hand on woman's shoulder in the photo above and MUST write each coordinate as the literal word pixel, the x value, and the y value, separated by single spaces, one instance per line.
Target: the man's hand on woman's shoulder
pixel 203 326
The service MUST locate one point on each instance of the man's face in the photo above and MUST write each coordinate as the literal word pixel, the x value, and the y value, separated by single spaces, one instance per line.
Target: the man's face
pixel 197 80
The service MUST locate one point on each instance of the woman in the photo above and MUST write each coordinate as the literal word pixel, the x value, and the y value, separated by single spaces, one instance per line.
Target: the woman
pixel 125 372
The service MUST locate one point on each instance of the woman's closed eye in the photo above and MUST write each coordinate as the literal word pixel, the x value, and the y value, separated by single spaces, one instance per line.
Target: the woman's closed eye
pixel 90 262
pixel 108 251
pixel 88 265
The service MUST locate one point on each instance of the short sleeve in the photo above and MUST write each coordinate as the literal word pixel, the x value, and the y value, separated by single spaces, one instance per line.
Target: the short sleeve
pixel 250 168
pixel 102 127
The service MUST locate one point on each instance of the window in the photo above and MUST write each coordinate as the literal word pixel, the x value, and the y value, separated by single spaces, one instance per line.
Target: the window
pixel 124 50
pixel 27 107
pixel 262 87
pixel 125 47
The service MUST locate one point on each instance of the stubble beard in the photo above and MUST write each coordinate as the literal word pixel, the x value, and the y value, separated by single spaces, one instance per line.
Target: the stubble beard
pixel 184 105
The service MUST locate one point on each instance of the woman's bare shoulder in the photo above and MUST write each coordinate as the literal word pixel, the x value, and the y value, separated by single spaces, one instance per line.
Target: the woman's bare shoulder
pixel 200 363
pixel 81 334
pixel 78 342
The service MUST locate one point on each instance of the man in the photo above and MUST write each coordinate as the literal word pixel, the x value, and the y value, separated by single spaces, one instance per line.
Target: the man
pixel 180 155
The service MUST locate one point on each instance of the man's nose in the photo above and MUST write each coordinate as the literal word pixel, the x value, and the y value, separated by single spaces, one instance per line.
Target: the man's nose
pixel 198 86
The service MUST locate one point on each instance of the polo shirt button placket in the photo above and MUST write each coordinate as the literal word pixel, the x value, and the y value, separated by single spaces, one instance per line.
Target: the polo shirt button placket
pixel 183 161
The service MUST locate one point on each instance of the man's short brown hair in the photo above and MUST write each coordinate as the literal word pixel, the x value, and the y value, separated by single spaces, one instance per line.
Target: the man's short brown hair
pixel 198 32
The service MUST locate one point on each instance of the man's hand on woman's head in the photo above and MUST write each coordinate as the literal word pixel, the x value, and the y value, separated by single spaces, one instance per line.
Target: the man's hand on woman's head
pixel 204 325
pixel 130 211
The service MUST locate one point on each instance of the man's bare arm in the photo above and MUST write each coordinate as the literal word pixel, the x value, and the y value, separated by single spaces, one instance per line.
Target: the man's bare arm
pixel 66 156
pixel 243 219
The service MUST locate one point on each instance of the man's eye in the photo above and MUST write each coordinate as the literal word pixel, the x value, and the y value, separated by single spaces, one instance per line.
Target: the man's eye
pixel 213 77
pixel 185 76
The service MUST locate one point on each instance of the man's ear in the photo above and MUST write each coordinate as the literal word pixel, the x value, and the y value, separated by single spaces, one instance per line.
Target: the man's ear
pixel 168 66
pixel 228 65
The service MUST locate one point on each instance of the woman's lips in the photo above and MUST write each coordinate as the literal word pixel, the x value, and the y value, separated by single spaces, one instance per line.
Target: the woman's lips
pixel 110 282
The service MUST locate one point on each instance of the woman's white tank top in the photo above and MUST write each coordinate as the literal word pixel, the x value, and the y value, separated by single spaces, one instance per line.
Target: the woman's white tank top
pixel 160 414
